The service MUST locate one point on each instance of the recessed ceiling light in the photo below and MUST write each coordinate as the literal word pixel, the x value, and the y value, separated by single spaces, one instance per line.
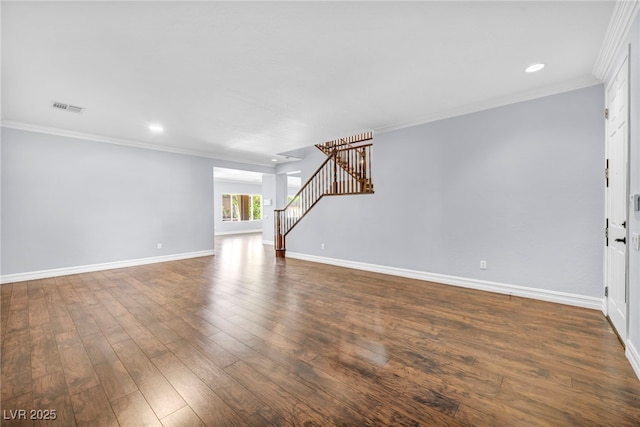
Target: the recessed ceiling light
pixel 533 68
pixel 154 127
pixel 274 160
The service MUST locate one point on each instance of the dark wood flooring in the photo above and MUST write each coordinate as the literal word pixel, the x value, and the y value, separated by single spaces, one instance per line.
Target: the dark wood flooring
pixel 244 339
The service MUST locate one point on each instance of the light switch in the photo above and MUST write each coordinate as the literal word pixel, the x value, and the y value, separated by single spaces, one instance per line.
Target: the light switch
pixel 635 241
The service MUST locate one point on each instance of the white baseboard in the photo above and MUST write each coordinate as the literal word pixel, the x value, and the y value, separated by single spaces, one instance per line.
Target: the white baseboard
pixel 226 233
pixel 268 242
pixel 43 274
pixel 633 356
pixel 483 285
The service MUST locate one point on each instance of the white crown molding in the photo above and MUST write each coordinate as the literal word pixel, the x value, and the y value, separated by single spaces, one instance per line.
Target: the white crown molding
pixel 622 18
pixel 497 102
pixel 467 109
pixel 44 274
pixel 125 142
pixel 482 285
pixel 97 138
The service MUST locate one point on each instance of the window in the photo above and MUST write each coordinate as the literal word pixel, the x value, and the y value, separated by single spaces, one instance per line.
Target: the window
pixel 241 207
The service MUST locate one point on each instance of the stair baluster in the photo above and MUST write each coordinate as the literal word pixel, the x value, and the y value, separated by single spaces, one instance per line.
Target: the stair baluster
pixel 347 170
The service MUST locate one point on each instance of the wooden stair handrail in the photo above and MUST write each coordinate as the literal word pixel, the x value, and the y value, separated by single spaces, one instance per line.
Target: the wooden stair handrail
pixel 328 146
pixel 302 188
pixel 346 165
pixel 331 157
pixel 345 171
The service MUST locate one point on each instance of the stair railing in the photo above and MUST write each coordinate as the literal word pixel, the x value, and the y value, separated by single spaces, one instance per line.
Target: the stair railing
pixel 345 171
pixel 340 143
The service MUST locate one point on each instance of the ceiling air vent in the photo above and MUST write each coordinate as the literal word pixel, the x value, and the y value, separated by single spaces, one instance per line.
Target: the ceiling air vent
pixel 66 107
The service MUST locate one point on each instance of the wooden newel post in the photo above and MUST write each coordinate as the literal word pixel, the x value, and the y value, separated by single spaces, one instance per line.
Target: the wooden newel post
pixel 279 237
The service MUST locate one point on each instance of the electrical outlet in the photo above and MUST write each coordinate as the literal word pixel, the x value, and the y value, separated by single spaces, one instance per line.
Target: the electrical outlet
pixel 635 241
pixel 322 246
pixel 483 264
pixel 159 246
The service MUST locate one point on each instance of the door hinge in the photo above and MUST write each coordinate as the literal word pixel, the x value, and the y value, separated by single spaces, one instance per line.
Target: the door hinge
pixel 606 113
pixel 606 291
pixel 606 173
pixel 606 233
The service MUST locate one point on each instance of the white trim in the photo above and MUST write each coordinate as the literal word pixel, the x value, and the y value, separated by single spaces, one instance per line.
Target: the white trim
pixel 483 285
pixel 496 103
pixel 268 242
pixel 128 143
pixel 227 233
pixel 43 274
pixel 467 109
pixel 633 356
pixel 622 18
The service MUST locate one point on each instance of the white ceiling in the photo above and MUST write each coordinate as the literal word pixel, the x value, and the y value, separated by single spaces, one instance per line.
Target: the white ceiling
pixel 246 80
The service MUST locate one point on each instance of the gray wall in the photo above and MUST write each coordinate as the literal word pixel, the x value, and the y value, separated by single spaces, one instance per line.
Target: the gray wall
pixel 227 227
pixel 519 186
pixel 70 202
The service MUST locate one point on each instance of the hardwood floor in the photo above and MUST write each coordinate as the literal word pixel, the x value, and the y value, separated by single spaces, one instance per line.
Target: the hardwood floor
pixel 243 338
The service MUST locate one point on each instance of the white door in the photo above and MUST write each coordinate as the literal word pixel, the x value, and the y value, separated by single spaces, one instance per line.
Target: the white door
pixel 616 202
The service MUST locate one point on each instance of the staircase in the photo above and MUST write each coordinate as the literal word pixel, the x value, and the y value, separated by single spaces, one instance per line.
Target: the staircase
pixel 347 170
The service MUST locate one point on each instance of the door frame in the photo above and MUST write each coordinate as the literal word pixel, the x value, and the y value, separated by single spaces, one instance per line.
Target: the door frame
pixel 605 304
